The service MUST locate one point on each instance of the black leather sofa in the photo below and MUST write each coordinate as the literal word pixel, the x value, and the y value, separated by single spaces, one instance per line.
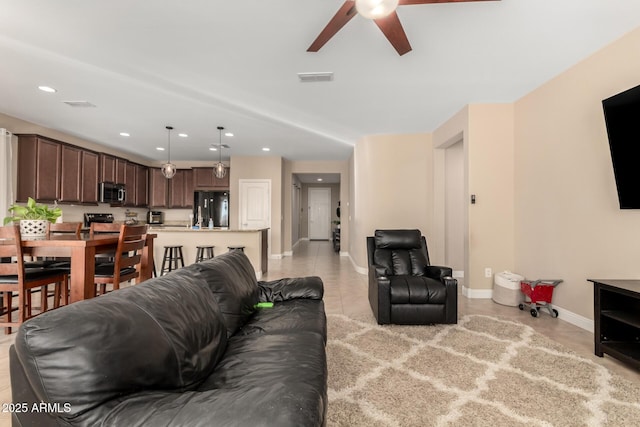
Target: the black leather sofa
pixel 404 288
pixel 186 349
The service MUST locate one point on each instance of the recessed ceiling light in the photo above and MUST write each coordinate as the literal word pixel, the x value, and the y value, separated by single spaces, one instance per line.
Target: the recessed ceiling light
pixel 183 135
pixel 266 149
pixel 124 134
pixel 160 148
pixel 47 89
pixel 228 134
pixel 319 179
pixel 213 149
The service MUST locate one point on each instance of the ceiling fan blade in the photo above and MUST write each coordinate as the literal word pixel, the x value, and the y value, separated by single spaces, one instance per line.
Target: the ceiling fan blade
pixel 392 29
pixel 408 2
pixel 344 15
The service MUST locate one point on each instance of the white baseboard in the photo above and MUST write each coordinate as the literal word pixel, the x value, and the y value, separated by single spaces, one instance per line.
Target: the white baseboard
pixel 563 314
pixel 275 256
pixel 288 253
pixel 344 253
pixel 477 293
pixel 361 270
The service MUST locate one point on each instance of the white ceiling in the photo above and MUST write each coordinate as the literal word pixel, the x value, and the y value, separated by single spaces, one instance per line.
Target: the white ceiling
pixel 198 64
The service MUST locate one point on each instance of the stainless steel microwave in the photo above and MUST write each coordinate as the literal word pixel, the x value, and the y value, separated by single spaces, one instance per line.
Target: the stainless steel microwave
pixel 111 193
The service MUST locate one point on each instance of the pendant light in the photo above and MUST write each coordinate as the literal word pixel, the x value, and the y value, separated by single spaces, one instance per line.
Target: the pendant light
pixel 169 169
pixel 219 170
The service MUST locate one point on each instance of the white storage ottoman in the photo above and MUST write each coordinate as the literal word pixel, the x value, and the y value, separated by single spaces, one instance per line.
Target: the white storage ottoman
pixel 506 289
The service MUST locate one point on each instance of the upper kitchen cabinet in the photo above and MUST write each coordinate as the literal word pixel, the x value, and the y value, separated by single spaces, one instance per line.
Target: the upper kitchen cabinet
pixel 204 179
pixel 39 164
pixel 181 189
pixel 112 169
pixel 71 173
pixel 158 189
pixel 130 186
pixel 49 170
pixel 89 183
pixel 142 185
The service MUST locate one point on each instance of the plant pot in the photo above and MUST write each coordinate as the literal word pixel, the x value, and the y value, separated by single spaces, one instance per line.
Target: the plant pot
pixel 33 229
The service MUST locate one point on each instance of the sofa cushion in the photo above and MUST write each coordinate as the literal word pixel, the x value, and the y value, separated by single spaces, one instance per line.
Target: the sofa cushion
pixel 93 351
pixel 232 280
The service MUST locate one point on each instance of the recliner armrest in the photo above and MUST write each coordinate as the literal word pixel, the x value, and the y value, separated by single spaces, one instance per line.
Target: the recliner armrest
pixel 379 270
pixel 310 287
pixel 438 272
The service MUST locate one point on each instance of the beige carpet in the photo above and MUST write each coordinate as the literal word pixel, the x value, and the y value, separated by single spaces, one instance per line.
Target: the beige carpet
pixel 481 372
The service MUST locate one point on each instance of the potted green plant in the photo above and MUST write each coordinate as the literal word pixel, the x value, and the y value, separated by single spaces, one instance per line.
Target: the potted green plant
pixel 33 218
pixel 336 222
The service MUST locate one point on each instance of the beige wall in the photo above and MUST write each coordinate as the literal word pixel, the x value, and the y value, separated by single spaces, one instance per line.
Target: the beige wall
pixel 487 134
pixel 259 168
pixel 392 187
pixel 568 222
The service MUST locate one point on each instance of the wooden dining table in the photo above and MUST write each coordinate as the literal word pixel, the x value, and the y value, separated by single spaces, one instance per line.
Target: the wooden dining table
pixel 82 251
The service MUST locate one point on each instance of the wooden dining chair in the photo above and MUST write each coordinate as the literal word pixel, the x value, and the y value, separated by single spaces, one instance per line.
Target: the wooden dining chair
pixel 61 263
pixel 15 278
pixel 127 259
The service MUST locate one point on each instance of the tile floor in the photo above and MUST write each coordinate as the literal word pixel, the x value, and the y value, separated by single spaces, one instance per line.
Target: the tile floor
pixel 346 293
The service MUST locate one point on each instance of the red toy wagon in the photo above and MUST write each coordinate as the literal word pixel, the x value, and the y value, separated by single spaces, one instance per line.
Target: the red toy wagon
pixel 538 294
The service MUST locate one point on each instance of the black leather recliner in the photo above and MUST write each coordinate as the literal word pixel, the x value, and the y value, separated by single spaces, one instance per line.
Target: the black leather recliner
pixel 403 287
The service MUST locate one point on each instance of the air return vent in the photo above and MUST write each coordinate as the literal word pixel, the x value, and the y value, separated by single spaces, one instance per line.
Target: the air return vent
pixel 79 104
pixel 316 77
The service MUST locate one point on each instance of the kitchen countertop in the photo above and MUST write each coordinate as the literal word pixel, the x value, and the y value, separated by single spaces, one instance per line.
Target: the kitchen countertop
pixel 182 228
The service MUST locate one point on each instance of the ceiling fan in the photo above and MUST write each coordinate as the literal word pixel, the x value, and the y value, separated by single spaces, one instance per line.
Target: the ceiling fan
pixel 383 14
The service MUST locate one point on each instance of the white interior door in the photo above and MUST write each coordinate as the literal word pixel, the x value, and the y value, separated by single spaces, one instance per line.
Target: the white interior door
pixel 255 203
pixel 319 213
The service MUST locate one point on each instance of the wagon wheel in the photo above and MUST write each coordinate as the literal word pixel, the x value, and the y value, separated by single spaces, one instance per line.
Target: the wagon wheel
pixel 554 312
pixel 521 306
pixel 534 312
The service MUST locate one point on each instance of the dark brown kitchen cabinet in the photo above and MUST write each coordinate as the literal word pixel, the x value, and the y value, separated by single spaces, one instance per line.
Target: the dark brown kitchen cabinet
pixel 141 186
pixel 130 185
pixel 181 189
pixel 112 168
pixel 39 168
pixel 89 183
pixel 107 168
pixel 71 172
pixel 204 179
pixel 158 189
pixel 50 170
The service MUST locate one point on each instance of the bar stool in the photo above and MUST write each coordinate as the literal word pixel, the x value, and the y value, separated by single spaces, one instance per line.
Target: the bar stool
pixel 172 255
pixel 236 248
pixel 204 252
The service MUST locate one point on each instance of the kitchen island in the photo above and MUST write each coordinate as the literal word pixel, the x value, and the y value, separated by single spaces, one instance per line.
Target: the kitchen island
pixel 254 241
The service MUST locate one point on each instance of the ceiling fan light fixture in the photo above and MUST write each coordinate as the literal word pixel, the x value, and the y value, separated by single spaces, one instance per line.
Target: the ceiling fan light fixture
pixel 219 169
pixel 168 169
pixel 375 9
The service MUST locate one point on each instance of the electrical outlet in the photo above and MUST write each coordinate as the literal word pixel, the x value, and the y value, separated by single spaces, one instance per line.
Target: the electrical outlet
pixel 487 272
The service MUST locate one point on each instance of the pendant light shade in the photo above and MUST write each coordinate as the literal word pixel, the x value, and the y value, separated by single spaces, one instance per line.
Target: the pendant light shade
pixel 168 169
pixel 374 9
pixel 219 169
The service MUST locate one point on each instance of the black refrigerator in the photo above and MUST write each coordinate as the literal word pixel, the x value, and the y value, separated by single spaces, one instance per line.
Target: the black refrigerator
pixel 211 205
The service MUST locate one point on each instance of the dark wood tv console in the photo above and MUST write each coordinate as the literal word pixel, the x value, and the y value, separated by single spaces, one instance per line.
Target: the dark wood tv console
pixel 616 315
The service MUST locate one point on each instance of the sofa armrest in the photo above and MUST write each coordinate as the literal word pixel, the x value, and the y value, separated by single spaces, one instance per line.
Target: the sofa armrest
pixel 438 272
pixel 310 287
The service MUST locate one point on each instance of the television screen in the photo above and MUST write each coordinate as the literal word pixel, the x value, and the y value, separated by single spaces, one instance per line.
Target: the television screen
pixel 622 117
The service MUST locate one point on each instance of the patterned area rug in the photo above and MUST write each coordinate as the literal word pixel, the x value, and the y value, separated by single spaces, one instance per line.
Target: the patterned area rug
pixel 484 371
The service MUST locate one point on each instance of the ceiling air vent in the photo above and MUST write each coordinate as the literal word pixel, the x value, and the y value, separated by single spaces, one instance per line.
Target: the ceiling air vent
pixel 79 104
pixel 315 77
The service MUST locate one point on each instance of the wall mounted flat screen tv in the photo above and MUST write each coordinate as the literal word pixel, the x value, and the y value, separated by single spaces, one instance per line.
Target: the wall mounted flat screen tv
pixel 622 117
